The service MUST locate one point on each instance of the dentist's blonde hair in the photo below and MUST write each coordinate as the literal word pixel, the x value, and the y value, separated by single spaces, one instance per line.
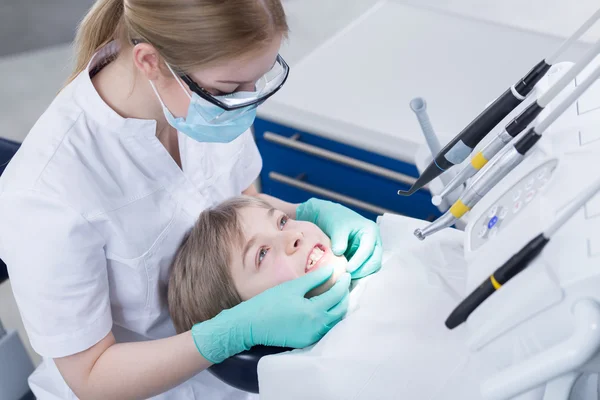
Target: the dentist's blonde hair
pixel 187 33
pixel 200 281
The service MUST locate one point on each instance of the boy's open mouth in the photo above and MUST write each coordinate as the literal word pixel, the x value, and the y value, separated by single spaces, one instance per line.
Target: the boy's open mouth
pixel 314 257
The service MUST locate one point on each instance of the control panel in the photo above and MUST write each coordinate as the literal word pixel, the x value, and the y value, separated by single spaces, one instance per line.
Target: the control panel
pixel 510 204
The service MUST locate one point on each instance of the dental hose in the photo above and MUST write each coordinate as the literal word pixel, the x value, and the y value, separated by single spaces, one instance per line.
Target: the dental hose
pixel 517 125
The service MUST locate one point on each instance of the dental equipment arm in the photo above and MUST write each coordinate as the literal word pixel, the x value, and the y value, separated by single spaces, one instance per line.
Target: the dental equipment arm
pixel 519 261
pixel 517 125
pixel 419 107
pixel 459 148
pixel 503 165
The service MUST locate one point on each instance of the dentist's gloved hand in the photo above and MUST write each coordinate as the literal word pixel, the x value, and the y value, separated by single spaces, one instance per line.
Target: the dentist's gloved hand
pixel 351 234
pixel 280 316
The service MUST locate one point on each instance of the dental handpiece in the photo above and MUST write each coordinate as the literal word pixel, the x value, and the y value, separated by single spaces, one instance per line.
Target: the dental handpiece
pixel 517 125
pixel 501 166
pixel 460 147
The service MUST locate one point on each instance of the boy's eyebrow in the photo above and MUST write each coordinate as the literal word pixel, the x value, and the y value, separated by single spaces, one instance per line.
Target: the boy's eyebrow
pixel 247 248
pixel 252 241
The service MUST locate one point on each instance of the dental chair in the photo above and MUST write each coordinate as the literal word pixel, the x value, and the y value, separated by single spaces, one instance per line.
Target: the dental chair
pixel 7 151
pixel 241 370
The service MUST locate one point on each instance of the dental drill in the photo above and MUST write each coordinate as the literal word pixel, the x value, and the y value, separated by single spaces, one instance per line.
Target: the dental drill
pixel 502 165
pixel 460 147
pixel 516 126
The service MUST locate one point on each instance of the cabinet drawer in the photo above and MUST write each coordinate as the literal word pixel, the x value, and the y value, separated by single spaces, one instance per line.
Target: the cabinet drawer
pixel 325 166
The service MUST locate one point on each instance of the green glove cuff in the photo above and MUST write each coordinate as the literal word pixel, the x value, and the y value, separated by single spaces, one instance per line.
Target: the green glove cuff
pixel 308 211
pixel 219 338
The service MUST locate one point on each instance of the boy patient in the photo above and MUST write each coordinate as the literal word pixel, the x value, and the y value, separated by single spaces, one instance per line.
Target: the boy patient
pixel 239 249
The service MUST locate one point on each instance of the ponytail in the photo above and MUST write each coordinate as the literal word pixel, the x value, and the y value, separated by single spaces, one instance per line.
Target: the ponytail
pixel 97 28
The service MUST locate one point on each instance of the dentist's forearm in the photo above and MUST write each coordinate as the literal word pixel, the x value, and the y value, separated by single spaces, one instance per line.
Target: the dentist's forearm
pixel 136 370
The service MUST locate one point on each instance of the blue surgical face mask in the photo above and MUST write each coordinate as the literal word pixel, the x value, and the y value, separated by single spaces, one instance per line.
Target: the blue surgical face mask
pixel 207 122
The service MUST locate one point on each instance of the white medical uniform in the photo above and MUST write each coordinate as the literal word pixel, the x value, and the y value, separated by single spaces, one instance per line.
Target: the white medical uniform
pixel 93 209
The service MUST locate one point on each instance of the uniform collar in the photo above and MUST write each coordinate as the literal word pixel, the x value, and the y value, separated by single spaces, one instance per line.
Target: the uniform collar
pixel 90 101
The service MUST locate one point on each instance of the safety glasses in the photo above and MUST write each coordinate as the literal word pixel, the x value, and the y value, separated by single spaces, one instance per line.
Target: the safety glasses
pixel 265 87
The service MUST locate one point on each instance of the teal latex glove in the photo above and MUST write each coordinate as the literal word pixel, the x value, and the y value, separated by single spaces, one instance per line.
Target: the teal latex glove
pixel 352 235
pixel 280 316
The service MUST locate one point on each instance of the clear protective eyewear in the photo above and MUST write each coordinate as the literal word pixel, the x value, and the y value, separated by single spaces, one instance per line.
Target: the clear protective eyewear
pixel 226 108
pixel 223 109
pixel 265 87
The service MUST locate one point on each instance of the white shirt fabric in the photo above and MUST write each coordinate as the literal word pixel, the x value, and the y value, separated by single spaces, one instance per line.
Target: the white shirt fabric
pixel 93 209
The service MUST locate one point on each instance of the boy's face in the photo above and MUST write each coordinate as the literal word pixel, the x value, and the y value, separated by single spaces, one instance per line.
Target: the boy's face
pixel 278 249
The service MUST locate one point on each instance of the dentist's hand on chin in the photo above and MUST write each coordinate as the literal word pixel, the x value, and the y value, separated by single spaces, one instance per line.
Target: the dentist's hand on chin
pixel 280 316
pixel 352 235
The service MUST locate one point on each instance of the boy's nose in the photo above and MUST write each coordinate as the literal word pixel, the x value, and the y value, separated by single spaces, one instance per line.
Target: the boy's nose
pixel 293 242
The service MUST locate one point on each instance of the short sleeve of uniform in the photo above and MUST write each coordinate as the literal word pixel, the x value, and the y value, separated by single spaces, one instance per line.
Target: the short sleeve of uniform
pixel 251 161
pixel 57 269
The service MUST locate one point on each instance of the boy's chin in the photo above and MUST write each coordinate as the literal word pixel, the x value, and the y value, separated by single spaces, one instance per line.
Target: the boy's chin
pixel 339 268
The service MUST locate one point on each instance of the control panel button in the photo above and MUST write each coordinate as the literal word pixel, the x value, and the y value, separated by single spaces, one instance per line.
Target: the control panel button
pixel 516 195
pixel 492 222
pixel 530 184
pixel 529 196
pixel 482 232
pixel 493 212
pixel 502 213
pixel 517 207
pixel 493 232
pixel 542 173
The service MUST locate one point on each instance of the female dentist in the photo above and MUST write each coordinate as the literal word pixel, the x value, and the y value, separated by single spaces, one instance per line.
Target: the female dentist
pixel 152 128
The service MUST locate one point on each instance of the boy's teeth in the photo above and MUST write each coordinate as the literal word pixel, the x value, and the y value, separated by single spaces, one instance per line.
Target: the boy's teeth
pixel 315 256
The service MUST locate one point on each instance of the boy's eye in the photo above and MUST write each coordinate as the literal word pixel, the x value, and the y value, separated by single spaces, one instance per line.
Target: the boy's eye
pixel 283 221
pixel 261 254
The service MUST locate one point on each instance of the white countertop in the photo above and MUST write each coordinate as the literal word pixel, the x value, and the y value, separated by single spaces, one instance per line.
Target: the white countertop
pixel 552 17
pixel 356 86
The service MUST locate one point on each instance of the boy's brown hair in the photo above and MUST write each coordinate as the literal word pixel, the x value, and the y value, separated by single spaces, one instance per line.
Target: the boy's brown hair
pixel 200 282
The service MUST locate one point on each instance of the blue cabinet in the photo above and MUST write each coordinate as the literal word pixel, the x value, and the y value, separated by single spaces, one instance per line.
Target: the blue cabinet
pixel 298 165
